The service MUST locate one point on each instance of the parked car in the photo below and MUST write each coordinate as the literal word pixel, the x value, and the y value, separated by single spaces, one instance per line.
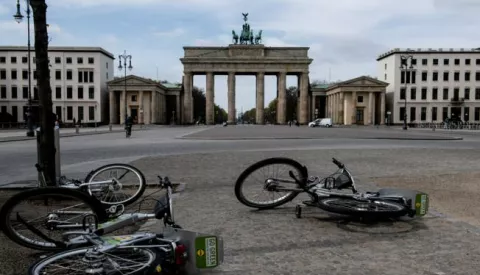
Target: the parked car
pixel 321 122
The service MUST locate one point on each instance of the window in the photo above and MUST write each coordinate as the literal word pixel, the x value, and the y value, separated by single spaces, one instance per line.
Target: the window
pixel 106 65
pixel 477 61
pixel 25 92
pixel 445 61
pixel 80 92
pixel 58 75
pixel 134 98
pixel 424 76
pixel 385 77
pixel 434 93
pixel 445 93
pixel 13 74
pixel 79 60
pixel 13 59
pixel 467 61
pixel 402 77
pixel 413 76
pixel 402 113
pixel 24 59
pixel 423 113
pixel 467 76
pixel 413 93
pixel 58 60
pixel 14 92
pixel 424 93
pixel 466 94
pixel 466 113
pixel 413 114
pixel 35 93
pixel 58 112
pixel 410 77
pixel 91 92
pixel 106 75
pixel 425 61
pixel 456 76
pixel 477 113
pixel 69 74
pixel 69 92
pixel 434 113
pixel 90 76
pixel 85 76
pixel 15 113
pixel 444 113
pixel 445 76
pixel 80 113
pixel 435 76
pixel 90 60
pixel 68 60
pixel 414 61
pixel 69 112
pixel 456 93
pixel 456 61
pixel 3 92
pixel 58 92
pixel 3 74
pixel 91 113
pixel 360 98
pixel 435 61
pixel 402 93
pixel 477 93
pixel 3 59
pixel 477 76
pixel 24 74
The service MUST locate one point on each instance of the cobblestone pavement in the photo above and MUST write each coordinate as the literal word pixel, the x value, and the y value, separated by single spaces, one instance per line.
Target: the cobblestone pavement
pixel 240 132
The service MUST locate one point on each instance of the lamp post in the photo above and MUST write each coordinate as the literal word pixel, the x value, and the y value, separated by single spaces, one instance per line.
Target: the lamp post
pixel 125 57
pixel 404 66
pixel 19 17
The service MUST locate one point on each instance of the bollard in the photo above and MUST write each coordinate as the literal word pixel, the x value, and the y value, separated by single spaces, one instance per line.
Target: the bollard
pixel 110 127
pixel 57 153
pixel 77 129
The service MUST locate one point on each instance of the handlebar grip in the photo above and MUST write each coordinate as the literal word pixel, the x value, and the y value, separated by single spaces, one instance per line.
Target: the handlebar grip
pixel 338 163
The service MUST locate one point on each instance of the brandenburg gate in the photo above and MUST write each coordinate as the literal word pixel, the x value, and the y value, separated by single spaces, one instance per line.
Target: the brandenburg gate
pixel 246 56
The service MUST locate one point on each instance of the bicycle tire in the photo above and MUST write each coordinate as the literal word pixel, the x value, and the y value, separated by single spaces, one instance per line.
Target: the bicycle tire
pixel 143 184
pixel 96 206
pixel 398 210
pixel 36 268
pixel 260 164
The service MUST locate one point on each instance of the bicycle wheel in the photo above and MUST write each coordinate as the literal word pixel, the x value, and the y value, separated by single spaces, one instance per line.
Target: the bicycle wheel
pixel 78 261
pixel 271 182
pixel 128 184
pixel 373 208
pixel 25 224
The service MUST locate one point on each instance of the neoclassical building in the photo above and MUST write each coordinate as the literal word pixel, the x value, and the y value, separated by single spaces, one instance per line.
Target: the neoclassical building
pixel 147 101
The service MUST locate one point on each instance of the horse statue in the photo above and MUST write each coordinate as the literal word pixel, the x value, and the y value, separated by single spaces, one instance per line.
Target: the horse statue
pixel 258 38
pixel 234 37
pixel 251 37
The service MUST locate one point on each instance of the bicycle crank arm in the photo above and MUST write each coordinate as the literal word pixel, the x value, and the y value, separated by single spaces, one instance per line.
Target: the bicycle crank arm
pixel 288 189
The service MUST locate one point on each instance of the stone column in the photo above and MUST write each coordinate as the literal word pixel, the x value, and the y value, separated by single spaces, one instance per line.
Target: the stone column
pixel 232 116
pixel 370 108
pixel 303 98
pixel 153 105
pixel 334 109
pixel 353 115
pixel 123 102
pixel 312 107
pixel 187 98
pixel 382 108
pixel 177 111
pixel 341 108
pixel 260 119
pixel 282 98
pixel 140 106
pixel 209 96
pixel 111 95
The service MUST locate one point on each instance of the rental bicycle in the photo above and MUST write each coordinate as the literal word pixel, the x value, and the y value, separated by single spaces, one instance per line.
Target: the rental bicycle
pixel 328 193
pixel 115 183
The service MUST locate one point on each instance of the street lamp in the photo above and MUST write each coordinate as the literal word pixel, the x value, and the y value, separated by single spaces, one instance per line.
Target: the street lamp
pixel 19 17
pixel 125 57
pixel 404 66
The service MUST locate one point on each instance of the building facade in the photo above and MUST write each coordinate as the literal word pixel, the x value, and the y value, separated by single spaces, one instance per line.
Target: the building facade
pixel 78 78
pixel 444 83
pixel 147 101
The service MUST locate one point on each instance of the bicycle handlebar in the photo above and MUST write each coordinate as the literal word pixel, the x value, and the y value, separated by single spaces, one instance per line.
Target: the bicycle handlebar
pixel 338 163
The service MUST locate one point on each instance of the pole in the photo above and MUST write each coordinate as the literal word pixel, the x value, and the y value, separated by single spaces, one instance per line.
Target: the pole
pixel 125 82
pixel 30 132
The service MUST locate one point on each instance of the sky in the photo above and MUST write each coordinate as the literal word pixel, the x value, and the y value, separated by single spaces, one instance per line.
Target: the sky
pixel 345 36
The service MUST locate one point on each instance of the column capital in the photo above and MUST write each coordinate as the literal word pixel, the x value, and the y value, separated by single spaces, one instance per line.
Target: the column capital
pixel 260 74
pixel 187 73
pixel 231 73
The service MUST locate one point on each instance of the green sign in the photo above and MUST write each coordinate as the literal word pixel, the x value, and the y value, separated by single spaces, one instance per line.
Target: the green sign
pixel 421 204
pixel 206 251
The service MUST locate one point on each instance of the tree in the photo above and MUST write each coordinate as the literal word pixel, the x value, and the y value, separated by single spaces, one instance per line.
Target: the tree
pixel 47 149
pixel 200 105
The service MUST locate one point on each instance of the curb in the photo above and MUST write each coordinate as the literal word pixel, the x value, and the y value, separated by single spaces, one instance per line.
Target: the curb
pixel 318 138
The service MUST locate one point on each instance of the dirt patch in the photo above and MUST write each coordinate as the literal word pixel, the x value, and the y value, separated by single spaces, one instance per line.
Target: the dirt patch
pixel 455 195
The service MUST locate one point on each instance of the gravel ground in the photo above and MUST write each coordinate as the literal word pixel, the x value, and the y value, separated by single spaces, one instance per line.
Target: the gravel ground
pixel 275 242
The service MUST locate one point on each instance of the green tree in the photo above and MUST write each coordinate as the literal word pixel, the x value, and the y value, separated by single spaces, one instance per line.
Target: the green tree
pixel 199 104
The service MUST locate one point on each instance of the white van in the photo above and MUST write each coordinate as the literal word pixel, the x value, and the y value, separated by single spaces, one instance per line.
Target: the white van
pixel 321 122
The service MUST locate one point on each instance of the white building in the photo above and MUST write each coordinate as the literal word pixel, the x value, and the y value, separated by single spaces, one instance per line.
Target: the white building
pixel 78 77
pixel 443 83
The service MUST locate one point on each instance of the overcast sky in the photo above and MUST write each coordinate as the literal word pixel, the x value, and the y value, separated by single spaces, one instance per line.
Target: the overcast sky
pixel 344 36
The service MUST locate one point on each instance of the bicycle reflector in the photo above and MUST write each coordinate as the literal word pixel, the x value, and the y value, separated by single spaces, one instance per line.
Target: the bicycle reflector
pixel 180 254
